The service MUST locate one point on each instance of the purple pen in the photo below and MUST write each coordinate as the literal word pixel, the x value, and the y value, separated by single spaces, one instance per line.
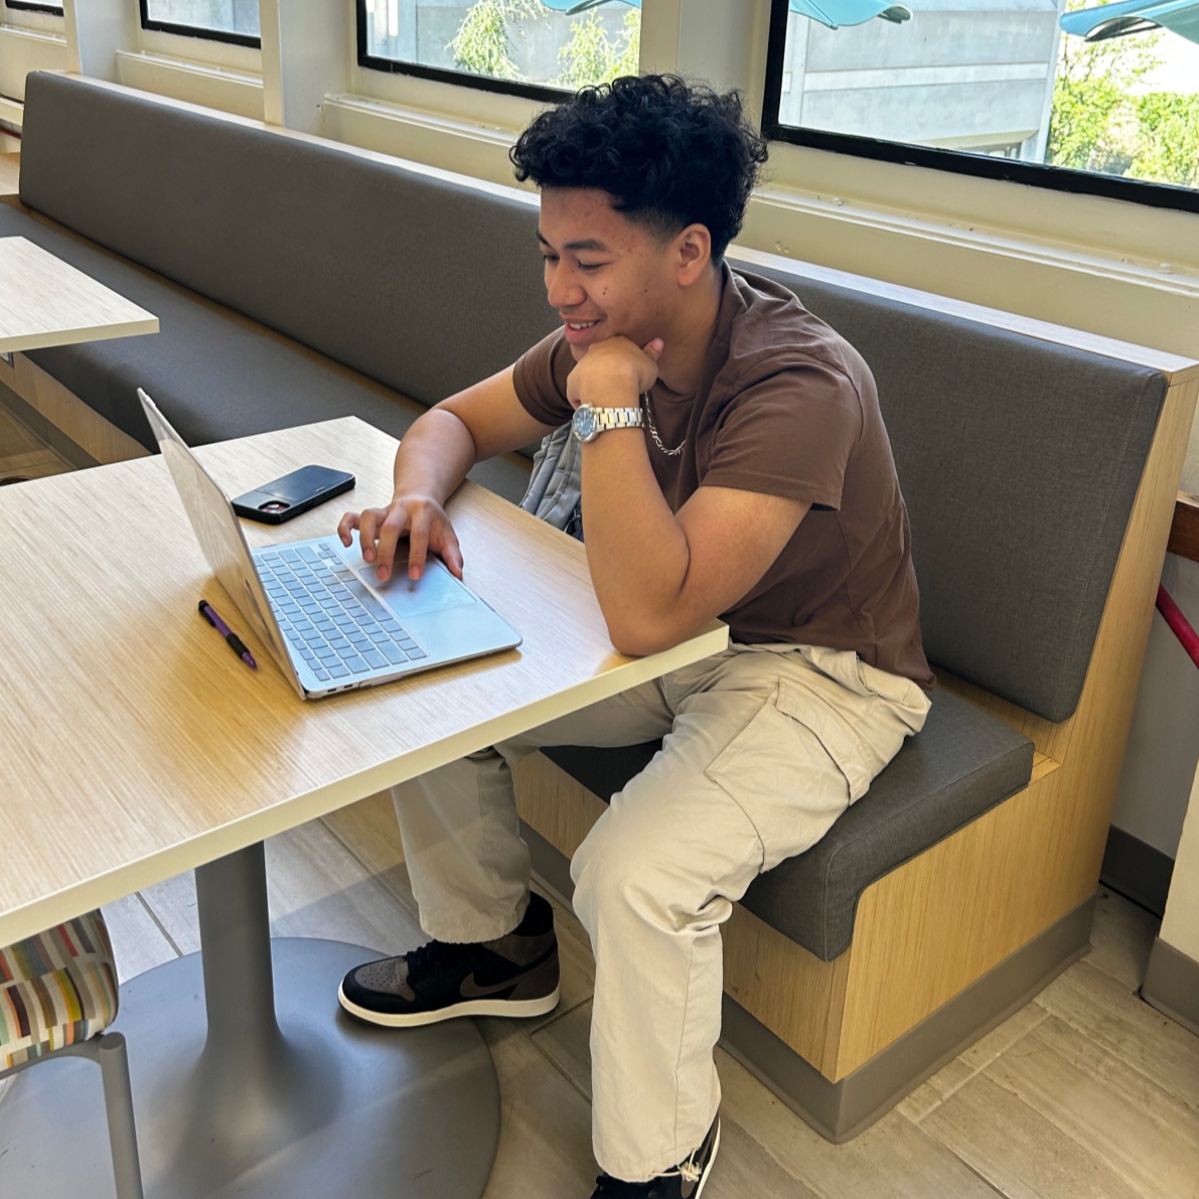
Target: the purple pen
pixel 235 642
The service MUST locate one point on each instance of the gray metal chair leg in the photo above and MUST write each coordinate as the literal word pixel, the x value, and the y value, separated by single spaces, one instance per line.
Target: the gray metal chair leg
pixel 122 1132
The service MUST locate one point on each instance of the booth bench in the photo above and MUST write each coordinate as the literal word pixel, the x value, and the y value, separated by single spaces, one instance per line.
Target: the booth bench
pixel 297 280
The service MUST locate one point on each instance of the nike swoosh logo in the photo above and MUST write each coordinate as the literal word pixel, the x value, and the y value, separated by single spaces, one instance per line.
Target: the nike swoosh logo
pixel 471 989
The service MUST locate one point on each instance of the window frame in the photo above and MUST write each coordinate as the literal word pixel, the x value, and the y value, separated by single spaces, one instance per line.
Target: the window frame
pixel 486 83
pixel 196 31
pixel 958 162
pixel 32 6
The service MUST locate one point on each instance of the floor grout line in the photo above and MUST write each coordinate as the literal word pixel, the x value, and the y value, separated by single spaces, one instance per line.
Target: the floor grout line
pixel 159 924
pixel 404 898
pixel 975 1071
pixel 343 843
pixel 532 1037
pixel 980 1176
pixel 560 1013
pixel 950 1150
pixel 1080 1026
pixel 1123 982
pixel 1051 1115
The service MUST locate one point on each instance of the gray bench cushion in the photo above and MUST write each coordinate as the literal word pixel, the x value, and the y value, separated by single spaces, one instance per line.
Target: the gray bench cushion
pixel 424 284
pixel 214 378
pixel 1019 460
pixel 962 763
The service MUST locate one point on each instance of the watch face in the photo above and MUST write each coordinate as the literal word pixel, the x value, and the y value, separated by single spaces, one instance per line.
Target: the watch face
pixel 584 422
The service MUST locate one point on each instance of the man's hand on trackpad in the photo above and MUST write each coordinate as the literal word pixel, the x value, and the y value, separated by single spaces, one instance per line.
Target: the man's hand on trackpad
pixel 420 520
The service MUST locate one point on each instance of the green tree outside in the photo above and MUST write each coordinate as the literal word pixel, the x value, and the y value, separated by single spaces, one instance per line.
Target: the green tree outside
pixel 483 44
pixel 1094 124
pixel 1102 121
pixel 591 57
pixel 1169 146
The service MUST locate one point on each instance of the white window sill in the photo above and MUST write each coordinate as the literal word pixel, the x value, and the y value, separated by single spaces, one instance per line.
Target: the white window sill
pixel 229 89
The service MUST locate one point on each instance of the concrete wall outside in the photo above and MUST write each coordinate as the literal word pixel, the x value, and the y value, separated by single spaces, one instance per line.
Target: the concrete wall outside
pixel 947 77
pixel 238 16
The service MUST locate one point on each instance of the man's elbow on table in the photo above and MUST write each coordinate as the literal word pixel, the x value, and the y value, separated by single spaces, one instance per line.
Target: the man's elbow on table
pixel 638 637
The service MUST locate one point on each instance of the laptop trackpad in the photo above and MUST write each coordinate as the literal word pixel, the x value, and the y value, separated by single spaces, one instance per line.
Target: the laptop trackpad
pixel 435 591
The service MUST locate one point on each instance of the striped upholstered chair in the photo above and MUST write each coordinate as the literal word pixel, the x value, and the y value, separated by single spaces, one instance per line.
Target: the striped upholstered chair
pixel 58 994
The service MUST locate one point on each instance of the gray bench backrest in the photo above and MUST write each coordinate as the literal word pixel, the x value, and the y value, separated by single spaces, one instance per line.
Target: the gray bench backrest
pixel 425 285
pixel 1019 459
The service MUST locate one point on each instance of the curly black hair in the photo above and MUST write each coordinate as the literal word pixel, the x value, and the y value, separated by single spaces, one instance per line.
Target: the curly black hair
pixel 671 154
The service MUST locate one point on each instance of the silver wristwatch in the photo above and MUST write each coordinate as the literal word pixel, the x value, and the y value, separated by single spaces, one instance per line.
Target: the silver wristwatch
pixel 588 422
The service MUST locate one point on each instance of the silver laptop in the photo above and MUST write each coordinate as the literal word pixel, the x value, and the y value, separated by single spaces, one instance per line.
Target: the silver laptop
pixel 329 623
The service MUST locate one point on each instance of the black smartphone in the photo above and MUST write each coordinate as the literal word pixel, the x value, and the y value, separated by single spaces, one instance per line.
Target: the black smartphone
pixel 283 498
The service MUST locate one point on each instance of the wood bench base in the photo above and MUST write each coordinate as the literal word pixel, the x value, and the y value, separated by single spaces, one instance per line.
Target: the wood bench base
pixel 63 421
pixel 840 1110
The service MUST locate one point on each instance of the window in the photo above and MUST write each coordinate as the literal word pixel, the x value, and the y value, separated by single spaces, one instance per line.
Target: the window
pixel 534 48
pixel 233 21
pixel 1008 89
pixel 32 6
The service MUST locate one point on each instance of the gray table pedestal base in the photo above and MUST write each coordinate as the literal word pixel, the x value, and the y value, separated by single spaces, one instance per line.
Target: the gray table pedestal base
pixel 291 1100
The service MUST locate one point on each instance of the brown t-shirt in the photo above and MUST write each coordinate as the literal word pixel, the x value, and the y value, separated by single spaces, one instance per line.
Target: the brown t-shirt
pixel 785 407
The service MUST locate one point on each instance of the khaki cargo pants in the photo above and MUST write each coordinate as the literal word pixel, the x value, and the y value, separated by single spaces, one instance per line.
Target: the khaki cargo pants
pixel 763 748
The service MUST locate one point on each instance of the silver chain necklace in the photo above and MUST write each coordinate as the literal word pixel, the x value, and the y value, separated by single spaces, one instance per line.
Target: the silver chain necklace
pixel 653 431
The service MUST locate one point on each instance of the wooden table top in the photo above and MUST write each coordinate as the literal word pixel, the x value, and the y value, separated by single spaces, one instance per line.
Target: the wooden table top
pixel 135 745
pixel 47 302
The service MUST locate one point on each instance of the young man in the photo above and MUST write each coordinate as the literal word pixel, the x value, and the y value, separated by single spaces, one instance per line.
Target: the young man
pixel 734 464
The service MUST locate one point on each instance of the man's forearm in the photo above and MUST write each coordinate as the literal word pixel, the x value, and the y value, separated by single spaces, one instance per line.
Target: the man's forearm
pixel 637 551
pixel 434 456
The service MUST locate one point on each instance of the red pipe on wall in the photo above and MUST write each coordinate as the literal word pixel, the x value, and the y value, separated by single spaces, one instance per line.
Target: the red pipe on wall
pixel 1179 625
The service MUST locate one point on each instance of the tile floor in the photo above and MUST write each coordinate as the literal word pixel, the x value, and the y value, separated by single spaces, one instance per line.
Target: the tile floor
pixel 1086 1092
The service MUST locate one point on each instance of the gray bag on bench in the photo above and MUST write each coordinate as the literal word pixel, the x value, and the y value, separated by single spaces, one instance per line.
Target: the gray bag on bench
pixel 555 492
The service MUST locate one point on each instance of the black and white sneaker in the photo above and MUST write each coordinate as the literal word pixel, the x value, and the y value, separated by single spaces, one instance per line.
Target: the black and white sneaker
pixel 514 975
pixel 685 1181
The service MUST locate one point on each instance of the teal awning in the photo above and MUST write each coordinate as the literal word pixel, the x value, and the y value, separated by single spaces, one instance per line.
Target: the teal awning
pixel 574 6
pixel 1134 16
pixel 833 13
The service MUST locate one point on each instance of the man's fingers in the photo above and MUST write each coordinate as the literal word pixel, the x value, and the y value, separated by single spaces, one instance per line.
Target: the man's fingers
pixel 367 524
pixel 346 527
pixel 418 546
pixel 450 550
pixel 390 531
pixel 380 531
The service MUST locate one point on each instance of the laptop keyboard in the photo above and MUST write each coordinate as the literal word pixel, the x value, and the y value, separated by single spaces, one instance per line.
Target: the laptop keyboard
pixel 335 624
